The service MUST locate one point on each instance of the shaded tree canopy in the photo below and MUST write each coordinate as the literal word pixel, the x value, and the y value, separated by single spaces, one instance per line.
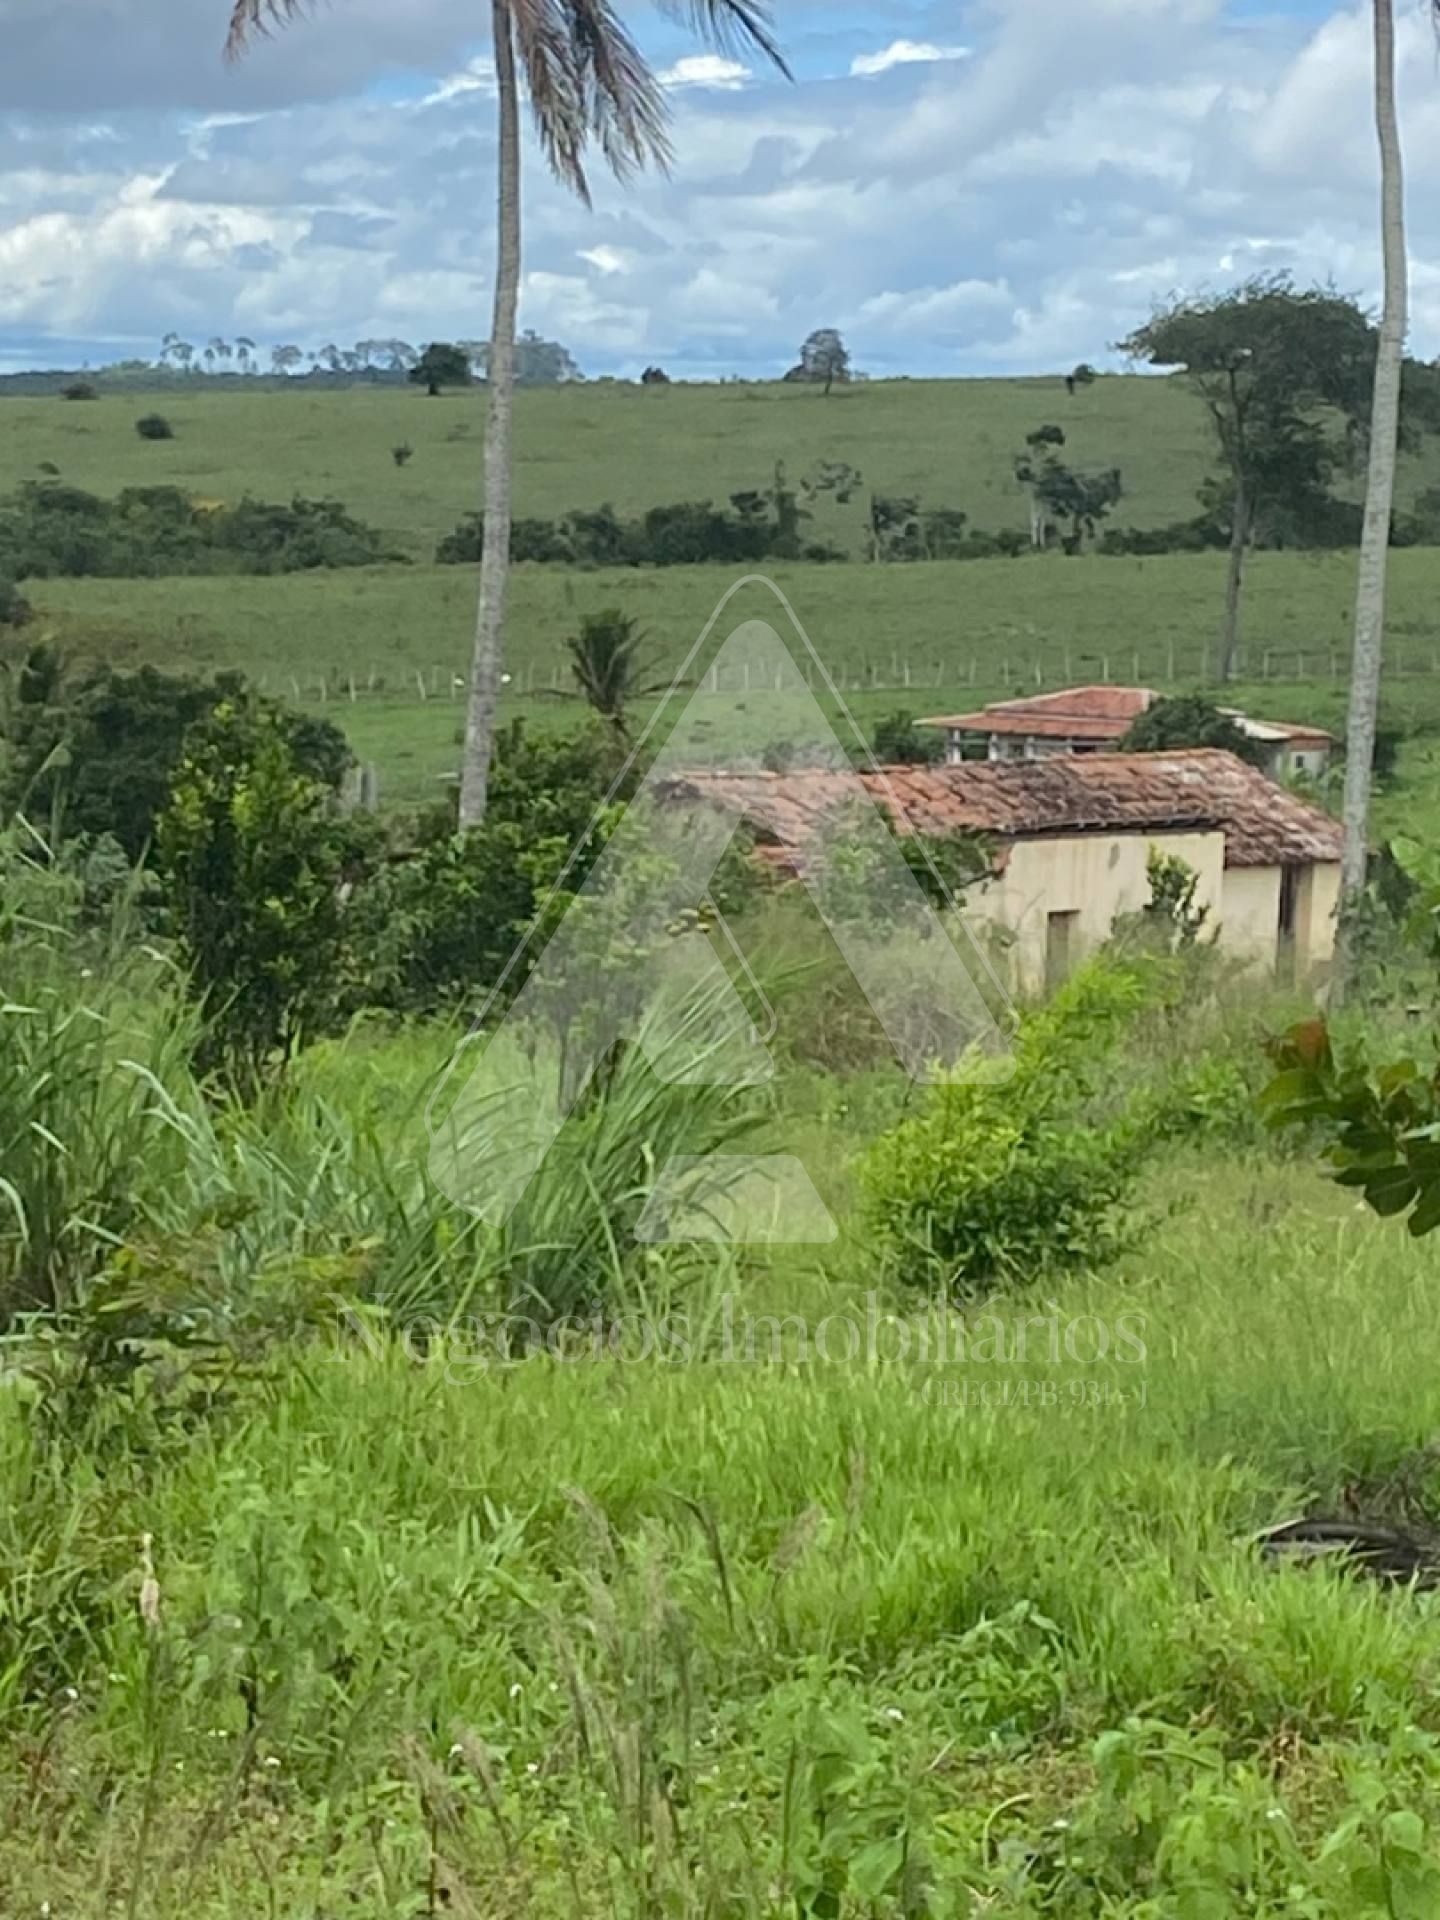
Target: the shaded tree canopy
pixel 1187 720
pixel 824 359
pixel 442 364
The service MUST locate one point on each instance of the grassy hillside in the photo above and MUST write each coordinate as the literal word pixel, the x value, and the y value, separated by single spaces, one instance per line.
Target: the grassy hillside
pixel 951 442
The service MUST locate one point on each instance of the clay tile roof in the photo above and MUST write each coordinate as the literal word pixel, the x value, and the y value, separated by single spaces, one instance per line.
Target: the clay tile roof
pixel 1196 790
pixel 1094 713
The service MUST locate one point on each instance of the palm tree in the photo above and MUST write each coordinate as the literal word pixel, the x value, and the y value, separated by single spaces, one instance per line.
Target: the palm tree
pixel 587 82
pixel 1379 493
pixel 606 665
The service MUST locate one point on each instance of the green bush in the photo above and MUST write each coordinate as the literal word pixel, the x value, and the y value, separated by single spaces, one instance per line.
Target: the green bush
pixel 154 426
pixel 48 530
pixel 253 853
pixel 899 742
pixel 1010 1180
pixel 15 609
pixel 94 755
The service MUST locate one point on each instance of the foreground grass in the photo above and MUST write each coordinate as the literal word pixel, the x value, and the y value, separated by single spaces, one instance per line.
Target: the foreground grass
pixel 687 1637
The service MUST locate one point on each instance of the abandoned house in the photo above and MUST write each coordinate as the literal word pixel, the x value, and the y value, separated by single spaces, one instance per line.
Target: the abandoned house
pixel 1095 719
pixel 1070 839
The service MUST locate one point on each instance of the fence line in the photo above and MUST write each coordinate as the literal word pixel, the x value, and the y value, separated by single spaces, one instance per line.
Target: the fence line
pixel 1017 674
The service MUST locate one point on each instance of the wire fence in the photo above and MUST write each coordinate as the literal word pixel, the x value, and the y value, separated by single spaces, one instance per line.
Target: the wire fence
pixel 1054 668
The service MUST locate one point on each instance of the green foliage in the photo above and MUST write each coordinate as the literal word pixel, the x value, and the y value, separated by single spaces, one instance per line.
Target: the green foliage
pixel 607 666
pixel 438 928
pixel 94 753
pixel 253 855
pixel 898 741
pixel 1379 1125
pixel 1015 1178
pixel 79 390
pixel 154 426
pixel 15 609
pixel 1171 908
pixel 86 1054
pixel 1178 721
pixel 757 525
pixel 441 365
pixel 48 530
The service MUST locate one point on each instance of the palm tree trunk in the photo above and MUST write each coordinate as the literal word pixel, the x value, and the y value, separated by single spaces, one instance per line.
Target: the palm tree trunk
pixel 1379 495
pixel 1239 540
pixel 495 559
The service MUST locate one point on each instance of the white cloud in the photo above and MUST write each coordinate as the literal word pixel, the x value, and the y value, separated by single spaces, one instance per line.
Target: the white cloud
pixel 1012 211
pixel 605 259
pixel 904 53
pixel 709 70
pixel 478 76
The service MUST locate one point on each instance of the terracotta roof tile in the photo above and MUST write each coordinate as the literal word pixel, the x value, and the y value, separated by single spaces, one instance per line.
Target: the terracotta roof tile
pixel 1123 793
pixel 1095 713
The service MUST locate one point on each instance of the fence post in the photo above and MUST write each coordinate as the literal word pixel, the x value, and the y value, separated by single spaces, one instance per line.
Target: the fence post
pixel 420 683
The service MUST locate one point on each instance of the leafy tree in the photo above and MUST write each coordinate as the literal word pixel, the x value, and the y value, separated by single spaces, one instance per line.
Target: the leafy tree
pixel 253 854
pixel 95 753
pixel 606 665
pixel 441 365
pixel 1270 363
pixel 1081 376
pixel 79 390
pixel 1082 499
pixel 285 359
pixel 899 742
pixel 824 359
pixel 654 377
pixel 1184 720
pixel 1040 447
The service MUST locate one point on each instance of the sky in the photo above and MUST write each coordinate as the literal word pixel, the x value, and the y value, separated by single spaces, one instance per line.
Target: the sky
pixel 998 188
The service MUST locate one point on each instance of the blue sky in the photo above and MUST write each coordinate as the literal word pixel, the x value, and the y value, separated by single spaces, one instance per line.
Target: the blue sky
pixel 995 188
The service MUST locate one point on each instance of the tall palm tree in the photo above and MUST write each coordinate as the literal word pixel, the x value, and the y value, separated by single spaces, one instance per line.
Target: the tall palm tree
pixel 587 82
pixel 1379 493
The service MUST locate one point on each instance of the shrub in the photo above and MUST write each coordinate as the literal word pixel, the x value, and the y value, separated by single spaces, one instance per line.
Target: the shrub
pixel 1182 720
pixel 79 390
pixel 95 754
pixel 154 426
pixel 253 854
pixel 155 531
pixel 899 742
pixel 403 454
pixel 15 609
pixel 1005 1181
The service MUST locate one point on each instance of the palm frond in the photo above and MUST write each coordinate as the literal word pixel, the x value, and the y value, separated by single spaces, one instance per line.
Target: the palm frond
pixel 588 80
pixel 735 26
pixel 251 18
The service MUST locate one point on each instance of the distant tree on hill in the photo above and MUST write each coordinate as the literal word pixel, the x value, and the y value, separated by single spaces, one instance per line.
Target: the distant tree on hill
pixel 1081 376
pixel 442 364
pixel 824 359
pixel 245 354
pixel 1188 720
pixel 538 362
pixel 286 359
pixel 1029 465
pixel 79 390
pixel 1082 499
pixel 654 377
pixel 1277 369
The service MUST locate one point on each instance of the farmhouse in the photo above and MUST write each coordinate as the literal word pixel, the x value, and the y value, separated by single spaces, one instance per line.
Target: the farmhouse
pixel 1070 840
pixel 1094 719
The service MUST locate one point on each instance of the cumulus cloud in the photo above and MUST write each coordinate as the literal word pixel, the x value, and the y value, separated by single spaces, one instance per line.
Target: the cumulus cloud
pixel 711 70
pixel 904 53
pixel 1013 211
